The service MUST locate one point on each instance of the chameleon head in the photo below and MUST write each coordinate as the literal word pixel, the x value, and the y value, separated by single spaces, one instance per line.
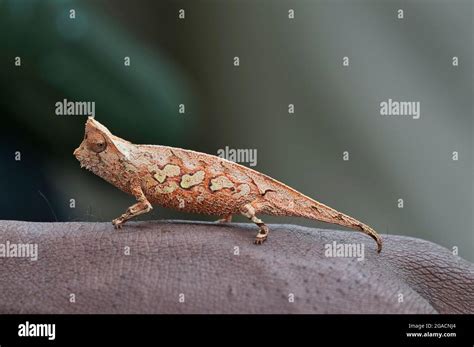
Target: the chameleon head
pixel 100 149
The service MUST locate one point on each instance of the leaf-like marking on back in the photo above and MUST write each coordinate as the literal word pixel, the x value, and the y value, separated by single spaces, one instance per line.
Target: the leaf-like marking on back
pixel 243 190
pixel 263 184
pixel 166 189
pixel 190 180
pixel 220 182
pixel 168 171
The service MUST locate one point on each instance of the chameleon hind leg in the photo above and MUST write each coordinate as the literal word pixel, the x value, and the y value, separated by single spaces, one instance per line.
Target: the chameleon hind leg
pixel 141 207
pixel 225 219
pixel 249 211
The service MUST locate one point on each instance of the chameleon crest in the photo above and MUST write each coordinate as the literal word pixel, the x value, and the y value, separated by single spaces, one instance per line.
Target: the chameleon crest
pixel 197 182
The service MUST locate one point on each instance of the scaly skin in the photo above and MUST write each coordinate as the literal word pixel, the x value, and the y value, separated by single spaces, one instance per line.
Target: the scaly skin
pixel 197 182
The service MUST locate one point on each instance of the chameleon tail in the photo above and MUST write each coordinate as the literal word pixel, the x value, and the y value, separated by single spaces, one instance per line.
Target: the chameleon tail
pixel 327 214
pixel 303 206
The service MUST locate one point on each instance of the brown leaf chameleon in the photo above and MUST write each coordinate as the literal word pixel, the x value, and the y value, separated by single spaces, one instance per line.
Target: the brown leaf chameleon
pixel 197 182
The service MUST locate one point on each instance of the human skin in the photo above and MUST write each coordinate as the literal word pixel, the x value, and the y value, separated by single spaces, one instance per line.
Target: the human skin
pixel 145 267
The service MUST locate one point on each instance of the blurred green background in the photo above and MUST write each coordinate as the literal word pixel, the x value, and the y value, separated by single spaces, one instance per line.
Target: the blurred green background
pixel 282 61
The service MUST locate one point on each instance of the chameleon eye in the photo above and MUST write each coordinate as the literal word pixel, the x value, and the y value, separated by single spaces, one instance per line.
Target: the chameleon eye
pixel 96 143
pixel 98 147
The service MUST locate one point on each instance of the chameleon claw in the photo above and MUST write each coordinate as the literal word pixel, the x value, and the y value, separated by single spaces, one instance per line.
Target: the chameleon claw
pixel 260 239
pixel 117 223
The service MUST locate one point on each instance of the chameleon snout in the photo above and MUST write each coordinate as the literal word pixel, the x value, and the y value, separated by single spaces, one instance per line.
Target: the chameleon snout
pixel 79 152
pixel 76 151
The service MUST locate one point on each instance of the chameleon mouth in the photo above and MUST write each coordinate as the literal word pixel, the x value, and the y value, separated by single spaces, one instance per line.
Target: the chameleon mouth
pixel 87 166
pixel 84 163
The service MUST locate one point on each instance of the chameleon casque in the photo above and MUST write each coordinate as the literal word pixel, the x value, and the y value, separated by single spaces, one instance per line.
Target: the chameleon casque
pixel 197 182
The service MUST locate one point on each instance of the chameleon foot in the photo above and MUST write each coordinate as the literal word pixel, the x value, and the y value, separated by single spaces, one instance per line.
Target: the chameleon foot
pixel 261 237
pixel 118 223
pixel 137 209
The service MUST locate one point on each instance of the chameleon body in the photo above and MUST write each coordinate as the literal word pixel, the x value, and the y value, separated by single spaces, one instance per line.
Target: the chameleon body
pixel 197 182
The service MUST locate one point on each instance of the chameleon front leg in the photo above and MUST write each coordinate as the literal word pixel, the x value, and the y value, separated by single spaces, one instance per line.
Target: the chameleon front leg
pixel 141 207
pixel 249 211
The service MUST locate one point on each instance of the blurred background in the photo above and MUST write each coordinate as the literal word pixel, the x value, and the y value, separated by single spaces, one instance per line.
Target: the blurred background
pixel 282 62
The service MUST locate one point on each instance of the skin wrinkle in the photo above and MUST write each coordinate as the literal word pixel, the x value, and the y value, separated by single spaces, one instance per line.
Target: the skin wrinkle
pixel 422 266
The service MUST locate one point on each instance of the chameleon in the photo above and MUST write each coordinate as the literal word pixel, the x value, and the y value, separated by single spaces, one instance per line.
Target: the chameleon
pixel 197 182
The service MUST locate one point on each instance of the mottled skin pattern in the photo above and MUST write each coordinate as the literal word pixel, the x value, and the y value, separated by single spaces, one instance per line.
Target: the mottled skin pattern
pixel 197 182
